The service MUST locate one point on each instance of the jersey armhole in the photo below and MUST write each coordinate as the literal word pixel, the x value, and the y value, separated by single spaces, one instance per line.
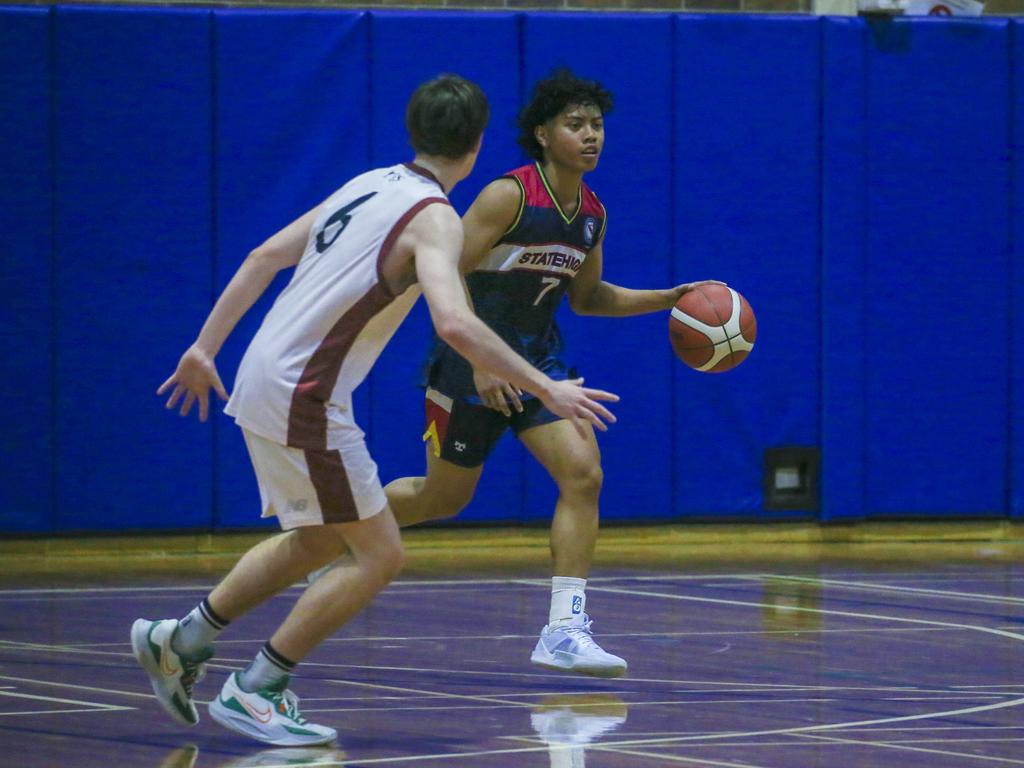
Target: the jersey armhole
pixel 522 206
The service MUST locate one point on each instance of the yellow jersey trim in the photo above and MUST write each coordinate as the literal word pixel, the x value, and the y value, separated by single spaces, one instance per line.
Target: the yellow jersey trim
pixel 547 187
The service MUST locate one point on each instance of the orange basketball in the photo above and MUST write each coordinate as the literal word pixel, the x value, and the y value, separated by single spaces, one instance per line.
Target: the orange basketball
pixel 712 328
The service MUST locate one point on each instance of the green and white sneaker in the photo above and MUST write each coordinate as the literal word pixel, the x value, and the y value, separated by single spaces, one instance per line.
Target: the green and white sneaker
pixel 270 715
pixel 172 675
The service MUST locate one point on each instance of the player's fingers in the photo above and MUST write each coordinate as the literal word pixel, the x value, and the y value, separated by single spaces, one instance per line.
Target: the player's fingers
pixel 512 396
pixel 502 405
pixel 187 405
pixel 496 401
pixel 592 417
pixel 578 425
pixel 174 398
pixel 204 405
pixel 163 387
pixel 596 408
pixel 600 394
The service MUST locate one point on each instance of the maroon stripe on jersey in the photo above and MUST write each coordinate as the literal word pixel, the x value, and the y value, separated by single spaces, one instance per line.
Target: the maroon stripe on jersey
pixel 327 473
pixel 307 417
pixel 396 231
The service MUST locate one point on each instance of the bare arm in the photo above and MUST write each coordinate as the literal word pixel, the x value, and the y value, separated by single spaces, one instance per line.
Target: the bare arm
pixel 590 295
pixel 490 216
pixel 435 236
pixel 196 372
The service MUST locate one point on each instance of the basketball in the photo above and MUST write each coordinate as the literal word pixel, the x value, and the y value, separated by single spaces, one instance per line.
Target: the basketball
pixel 712 328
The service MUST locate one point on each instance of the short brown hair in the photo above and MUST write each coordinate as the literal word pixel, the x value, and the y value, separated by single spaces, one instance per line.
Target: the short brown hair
pixel 446 116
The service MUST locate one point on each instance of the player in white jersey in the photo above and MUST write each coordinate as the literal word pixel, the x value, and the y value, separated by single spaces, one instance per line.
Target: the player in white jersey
pixel 357 258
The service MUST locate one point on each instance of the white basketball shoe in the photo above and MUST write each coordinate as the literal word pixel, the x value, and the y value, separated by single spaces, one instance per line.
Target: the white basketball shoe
pixel 270 715
pixel 571 648
pixel 172 675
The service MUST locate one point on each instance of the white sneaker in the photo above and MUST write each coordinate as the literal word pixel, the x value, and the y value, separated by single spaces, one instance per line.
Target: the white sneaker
pixel 171 675
pixel 270 715
pixel 572 648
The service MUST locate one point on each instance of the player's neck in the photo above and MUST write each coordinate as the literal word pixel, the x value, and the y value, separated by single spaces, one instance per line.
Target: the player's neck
pixel 446 172
pixel 564 183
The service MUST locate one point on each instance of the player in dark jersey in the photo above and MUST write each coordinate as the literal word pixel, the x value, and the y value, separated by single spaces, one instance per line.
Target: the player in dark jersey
pixel 533 236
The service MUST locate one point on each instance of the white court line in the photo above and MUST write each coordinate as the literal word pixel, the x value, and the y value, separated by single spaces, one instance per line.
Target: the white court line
pixel 890 745
pixel 671 758
pixel 27 712
pixel 56 700
pixel 59 684
pixel 871 587
pixel 404 584
pixel 822 611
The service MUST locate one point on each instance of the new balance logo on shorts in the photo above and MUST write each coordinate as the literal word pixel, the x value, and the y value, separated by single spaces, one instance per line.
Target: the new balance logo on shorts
pixel 577 604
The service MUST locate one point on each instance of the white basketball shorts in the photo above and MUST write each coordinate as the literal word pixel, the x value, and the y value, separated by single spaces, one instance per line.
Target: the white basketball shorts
pixel 314 487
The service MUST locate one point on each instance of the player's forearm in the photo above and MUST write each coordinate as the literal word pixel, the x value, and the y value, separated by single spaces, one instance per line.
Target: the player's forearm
pixel 608 300
pixel 247 285
pixel 485 350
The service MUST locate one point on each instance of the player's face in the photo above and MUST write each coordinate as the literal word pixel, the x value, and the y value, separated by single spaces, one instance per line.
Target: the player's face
pixel 574 138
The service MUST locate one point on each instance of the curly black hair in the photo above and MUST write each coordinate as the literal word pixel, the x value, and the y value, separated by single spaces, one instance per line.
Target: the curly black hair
pixel 553 94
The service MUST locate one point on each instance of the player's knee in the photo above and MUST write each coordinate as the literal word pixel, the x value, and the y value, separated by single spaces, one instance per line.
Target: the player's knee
pixel 388 561
pixel 583 479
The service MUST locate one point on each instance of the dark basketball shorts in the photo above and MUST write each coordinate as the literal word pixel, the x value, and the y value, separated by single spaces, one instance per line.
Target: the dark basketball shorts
pixel 464 433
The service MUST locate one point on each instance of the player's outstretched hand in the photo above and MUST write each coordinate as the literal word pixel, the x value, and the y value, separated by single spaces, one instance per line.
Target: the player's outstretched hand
pixel 194 376
pixel 571 400
pixel 497 393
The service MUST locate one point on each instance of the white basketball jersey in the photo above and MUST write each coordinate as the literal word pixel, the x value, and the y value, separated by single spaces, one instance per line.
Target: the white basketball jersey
pixel 328 326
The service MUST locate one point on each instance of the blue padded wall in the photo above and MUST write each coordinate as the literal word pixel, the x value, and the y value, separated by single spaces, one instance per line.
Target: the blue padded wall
pixel 631 55
pixel 132 262
pixel 26 173
pixel 464 44
pixel 843 222
pixel 936 335
pixel 835 178
pixel 1015 423
pixel 746 167
pixel 290 128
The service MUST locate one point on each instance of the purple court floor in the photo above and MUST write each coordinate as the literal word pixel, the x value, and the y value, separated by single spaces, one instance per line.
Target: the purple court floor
pixel 831 667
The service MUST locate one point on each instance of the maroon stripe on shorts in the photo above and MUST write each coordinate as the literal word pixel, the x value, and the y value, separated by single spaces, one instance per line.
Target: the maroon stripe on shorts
pixel 327 473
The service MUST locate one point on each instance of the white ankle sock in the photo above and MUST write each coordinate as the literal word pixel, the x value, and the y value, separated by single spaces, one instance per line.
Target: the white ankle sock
pixel 568 600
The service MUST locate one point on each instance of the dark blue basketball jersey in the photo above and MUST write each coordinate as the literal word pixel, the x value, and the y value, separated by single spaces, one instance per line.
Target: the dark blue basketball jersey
pixel 519 284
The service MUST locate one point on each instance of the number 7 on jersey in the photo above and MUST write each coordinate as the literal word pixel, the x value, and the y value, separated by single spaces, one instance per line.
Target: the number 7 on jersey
pixel 549 283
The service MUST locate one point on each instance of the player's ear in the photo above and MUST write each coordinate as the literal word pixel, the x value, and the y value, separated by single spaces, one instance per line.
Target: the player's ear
pixel 540 133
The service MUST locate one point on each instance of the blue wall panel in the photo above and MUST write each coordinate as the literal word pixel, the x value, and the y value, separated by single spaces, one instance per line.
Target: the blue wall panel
pixel 631 56
pixel 26 165
pixel 463 44
pixel 132 262
pixel 937 335
pixel 1016 283
pixel 290 129
pixel 747 212
pixel 843 209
